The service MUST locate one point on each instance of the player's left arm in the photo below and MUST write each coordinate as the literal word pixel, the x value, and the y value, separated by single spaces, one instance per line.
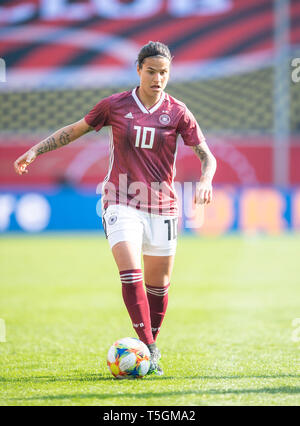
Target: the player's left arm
pixel 208 167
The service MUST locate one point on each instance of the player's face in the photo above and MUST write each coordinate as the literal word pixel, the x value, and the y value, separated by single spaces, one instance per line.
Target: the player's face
pixel 154 75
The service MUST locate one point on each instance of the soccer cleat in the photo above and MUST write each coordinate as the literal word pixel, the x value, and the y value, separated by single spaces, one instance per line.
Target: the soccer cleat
pixel 154 358
pixel 157 372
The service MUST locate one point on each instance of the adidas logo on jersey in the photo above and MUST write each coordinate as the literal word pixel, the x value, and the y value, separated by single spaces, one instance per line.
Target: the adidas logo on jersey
pixel 129 115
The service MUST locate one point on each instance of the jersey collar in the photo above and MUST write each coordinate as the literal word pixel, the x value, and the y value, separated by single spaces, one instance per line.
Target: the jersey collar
pixel 142 107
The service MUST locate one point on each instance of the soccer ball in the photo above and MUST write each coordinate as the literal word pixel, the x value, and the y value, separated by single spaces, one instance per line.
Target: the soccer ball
pixel 128 358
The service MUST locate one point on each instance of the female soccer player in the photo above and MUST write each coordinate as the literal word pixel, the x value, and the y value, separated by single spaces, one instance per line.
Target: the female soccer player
pixel 138 198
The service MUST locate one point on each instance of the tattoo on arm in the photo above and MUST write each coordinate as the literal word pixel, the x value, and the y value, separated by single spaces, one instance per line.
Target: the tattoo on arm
pixel 47 145
pixel 64 138
pixel 208 161
pixel 61 138
pixel 55 141
pixel 200 152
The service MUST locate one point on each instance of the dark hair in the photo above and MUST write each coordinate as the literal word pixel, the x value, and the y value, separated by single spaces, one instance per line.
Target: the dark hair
pixel 153 48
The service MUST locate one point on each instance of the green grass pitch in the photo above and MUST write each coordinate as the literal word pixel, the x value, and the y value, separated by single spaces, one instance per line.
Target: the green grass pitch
pixel 227 339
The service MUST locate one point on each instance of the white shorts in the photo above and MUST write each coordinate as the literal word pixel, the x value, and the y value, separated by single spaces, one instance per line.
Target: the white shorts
pixel 154 235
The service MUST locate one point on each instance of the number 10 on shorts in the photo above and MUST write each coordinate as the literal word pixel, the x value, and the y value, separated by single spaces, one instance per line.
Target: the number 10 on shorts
pixel 172 228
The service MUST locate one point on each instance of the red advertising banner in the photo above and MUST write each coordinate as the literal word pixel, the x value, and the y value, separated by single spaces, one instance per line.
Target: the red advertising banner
pixel 85 162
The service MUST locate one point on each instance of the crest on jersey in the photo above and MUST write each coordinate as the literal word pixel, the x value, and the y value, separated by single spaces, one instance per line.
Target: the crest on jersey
pixel 164 119
pixel 112 219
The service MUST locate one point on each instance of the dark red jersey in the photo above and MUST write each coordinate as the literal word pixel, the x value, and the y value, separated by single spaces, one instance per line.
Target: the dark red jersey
pixel 143 147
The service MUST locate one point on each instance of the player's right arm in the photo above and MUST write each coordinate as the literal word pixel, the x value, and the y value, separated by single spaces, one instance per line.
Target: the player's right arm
pixel 60 138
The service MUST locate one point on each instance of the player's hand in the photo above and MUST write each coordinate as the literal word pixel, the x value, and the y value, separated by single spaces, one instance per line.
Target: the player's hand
pixel 22 162
pixel 203 193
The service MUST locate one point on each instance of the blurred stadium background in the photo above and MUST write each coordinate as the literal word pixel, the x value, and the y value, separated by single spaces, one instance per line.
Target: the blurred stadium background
pixel 234 302
pixel 233 67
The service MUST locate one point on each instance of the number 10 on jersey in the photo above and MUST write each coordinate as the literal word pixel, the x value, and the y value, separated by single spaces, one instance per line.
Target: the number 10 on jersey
pixel 144 132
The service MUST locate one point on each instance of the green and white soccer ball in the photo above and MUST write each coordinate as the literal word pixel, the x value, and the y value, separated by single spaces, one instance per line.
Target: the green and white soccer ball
pixel 128 358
